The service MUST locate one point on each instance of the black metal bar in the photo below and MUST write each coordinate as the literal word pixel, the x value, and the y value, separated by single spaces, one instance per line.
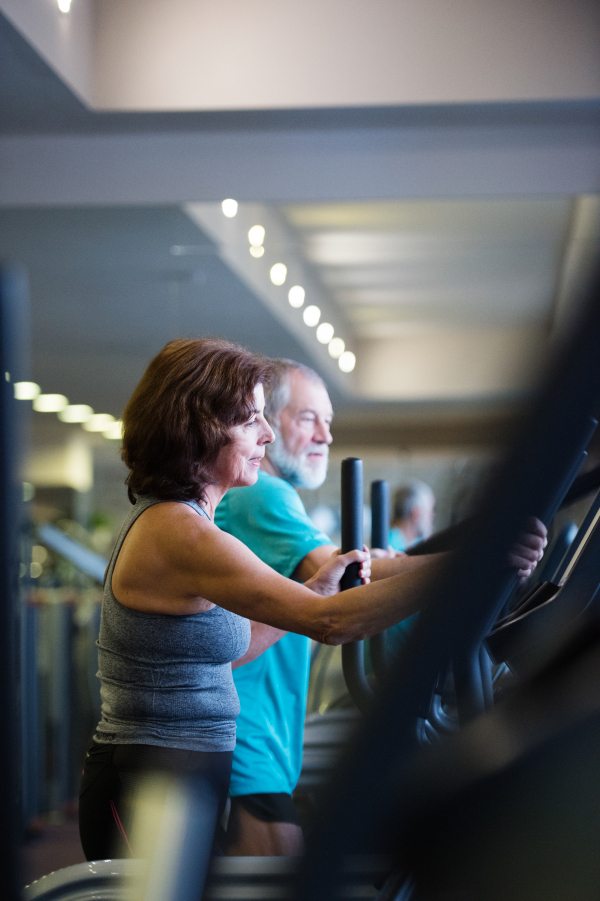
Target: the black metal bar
pixel 468 673
pixel 583 484
pixel 353 660
pixel 380 513
pixel 362 811
pixel 553 558
pixel 380 531
pixel 588 428
pixel 485 664
pixel 470 698
pixel 549 622
pixel 581 533
pixel 9 586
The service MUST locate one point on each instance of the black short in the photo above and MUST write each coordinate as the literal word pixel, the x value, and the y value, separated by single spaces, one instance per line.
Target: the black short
pixel 111 772
pixel 270 807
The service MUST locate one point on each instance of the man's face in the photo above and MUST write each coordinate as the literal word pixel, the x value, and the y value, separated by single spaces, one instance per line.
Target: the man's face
pixel 424 514
pixel 301 449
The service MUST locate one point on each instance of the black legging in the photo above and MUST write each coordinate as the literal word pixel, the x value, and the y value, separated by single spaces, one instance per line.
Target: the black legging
pixel 112 771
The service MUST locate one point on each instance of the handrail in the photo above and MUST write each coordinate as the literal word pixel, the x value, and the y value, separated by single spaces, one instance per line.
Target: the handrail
pixel 353 665
pixel 380 530
pixel 581 533
pixel 368 804
pixel 583 484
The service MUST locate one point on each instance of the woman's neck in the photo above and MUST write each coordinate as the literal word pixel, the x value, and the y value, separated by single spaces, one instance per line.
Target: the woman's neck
pixel 213 494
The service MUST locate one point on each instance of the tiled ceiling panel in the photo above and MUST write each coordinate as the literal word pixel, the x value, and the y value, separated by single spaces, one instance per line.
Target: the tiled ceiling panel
pixel 396 267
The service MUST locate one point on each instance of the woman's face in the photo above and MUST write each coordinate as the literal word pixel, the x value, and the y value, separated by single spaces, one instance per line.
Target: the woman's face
pixel 239 461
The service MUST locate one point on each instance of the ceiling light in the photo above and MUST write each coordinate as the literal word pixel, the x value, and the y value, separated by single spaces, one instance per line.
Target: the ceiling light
pixel 64 5
pixel 99 422
pixel 278 273
pixel 325 332
pixel 50 403
pixel 347 361
pixel 256 235
pixel 336 347
pixel 229 208
pixel 114 431
pixel 75 413
pixel 296 296
pixel 257 251
pixel 26 390
pixel 311 316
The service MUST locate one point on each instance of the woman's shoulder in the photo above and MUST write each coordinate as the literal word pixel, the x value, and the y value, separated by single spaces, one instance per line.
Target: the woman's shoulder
pixel 171 518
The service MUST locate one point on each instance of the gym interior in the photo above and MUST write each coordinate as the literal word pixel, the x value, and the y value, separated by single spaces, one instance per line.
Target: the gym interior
pixel 405 198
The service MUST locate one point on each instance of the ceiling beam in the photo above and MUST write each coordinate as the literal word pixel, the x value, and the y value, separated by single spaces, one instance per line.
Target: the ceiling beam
pixel 300 165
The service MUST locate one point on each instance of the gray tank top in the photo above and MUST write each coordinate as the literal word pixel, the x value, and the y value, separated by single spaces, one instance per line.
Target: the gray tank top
pixel 166 680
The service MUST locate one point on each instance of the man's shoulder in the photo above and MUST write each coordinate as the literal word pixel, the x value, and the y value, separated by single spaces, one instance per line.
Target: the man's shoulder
pixel 269 497
pixel 266 489
pixel 268 484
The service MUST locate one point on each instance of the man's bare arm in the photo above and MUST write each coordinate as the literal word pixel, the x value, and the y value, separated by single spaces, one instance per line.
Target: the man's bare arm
pixel 524 555
pixel 380 569
pixel 263 637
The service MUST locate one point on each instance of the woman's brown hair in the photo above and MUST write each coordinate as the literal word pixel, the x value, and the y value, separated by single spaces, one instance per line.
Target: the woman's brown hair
pixel 180 414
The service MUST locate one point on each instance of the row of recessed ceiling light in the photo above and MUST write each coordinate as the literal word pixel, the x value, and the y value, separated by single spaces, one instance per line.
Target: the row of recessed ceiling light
pixel 76 413
pixel 296 295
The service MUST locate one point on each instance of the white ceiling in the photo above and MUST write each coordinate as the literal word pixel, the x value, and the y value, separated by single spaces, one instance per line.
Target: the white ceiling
pixel 439 238
pixel 404 266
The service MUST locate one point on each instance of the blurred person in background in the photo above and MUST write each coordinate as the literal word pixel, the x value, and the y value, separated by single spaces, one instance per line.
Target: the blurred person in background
pixel 413 512
pixel 270 519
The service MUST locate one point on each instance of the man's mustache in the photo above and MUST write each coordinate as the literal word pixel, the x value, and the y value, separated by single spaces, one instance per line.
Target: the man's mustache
pixel 322 449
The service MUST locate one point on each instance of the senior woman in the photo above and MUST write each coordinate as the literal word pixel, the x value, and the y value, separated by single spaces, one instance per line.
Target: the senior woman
pixel 179 592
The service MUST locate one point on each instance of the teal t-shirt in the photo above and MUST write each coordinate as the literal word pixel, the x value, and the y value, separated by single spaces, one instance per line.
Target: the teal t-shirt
pixel 398 634
pixel 397 539
pixel 270 519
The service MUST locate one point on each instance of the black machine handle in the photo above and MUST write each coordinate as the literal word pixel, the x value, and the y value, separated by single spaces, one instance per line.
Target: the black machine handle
pixel 380 531
pixel 352 516
pixel 583 484
pixel 353 655
pixel 469 677
pixel 380 513
pixel 572 490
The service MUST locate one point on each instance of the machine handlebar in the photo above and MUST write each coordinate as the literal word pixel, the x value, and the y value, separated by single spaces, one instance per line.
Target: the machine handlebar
pixel 353 664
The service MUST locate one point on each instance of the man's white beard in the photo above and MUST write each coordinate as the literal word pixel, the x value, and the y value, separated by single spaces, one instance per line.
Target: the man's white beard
pixel 299 471
pixel 424 528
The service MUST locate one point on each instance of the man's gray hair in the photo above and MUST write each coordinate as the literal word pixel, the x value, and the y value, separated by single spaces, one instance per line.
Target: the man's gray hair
pixel 410 496
pixel 277 394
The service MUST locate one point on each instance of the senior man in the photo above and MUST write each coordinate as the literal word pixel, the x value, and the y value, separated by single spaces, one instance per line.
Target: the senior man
pixel 270 519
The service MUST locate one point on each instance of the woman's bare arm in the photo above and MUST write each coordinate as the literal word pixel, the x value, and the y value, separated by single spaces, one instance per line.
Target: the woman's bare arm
pixel 175 561
pixel 381 568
